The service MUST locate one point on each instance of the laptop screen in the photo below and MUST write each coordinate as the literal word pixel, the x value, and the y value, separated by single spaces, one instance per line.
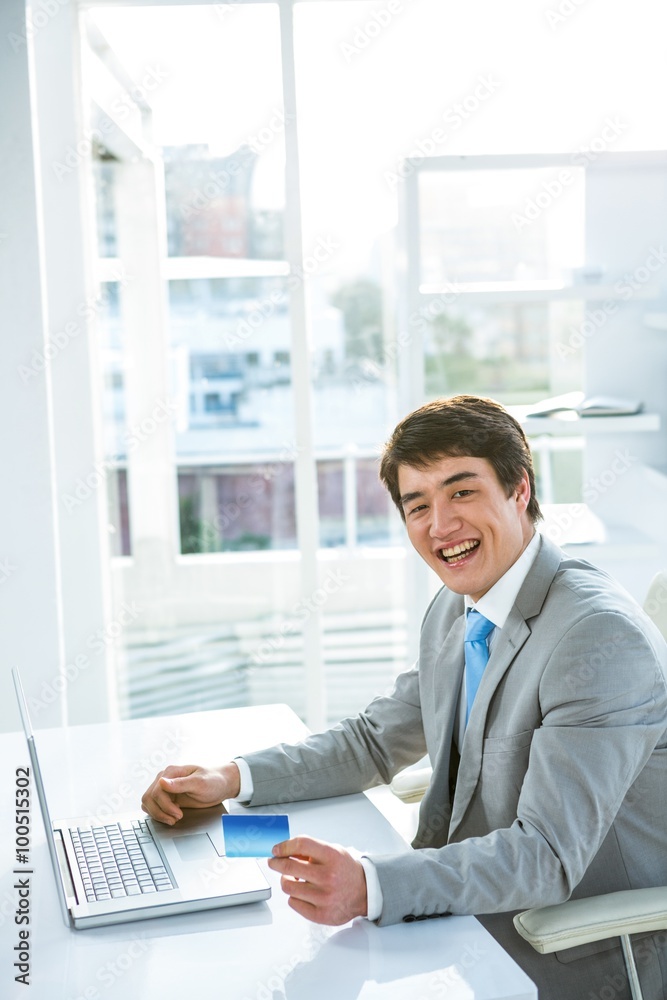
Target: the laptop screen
pixel 41 795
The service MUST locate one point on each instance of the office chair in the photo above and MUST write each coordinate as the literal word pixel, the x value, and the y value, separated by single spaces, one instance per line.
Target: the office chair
pixel 410 786
pixel 615 914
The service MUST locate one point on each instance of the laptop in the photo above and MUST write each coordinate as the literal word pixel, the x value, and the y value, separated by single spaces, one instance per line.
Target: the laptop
pixel 132 868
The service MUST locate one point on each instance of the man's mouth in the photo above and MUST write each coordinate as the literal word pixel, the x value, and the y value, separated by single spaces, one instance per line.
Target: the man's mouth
pixel 458 552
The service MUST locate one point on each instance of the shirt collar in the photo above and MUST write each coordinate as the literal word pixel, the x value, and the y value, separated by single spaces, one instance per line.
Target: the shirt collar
pixel 498 601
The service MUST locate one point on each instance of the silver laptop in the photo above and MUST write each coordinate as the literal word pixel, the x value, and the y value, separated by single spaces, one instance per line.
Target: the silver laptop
pixel 132 868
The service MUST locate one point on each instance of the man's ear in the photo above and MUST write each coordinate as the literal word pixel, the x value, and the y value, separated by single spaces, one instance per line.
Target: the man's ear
pixel 522 491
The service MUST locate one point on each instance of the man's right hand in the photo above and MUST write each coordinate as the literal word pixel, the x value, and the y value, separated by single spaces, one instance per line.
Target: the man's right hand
pixel 189 786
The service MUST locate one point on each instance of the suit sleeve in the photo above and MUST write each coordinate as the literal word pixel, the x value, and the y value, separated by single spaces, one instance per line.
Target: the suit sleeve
pixel 603 704
pixel 356 754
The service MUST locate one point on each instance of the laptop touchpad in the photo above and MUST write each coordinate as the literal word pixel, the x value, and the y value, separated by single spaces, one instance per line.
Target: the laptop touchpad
pixel 194 846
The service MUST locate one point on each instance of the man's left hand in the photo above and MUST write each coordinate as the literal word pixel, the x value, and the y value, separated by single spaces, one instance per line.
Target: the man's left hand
pixel 324 882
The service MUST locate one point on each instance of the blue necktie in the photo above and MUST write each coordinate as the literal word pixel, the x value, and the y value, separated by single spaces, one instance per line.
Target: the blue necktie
pixel 476 653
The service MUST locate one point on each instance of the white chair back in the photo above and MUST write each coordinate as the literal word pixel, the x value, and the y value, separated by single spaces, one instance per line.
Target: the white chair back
pixel 655 604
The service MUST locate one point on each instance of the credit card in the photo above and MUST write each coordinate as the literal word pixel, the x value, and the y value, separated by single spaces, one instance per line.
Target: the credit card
pixel 253 836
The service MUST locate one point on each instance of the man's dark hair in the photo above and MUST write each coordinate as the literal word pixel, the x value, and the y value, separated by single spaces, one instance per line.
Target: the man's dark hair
pixel 461 426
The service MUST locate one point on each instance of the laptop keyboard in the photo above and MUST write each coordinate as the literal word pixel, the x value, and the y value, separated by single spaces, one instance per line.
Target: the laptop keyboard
pixel 120 859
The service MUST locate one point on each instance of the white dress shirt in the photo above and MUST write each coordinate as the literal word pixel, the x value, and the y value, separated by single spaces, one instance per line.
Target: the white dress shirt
pixel 495 605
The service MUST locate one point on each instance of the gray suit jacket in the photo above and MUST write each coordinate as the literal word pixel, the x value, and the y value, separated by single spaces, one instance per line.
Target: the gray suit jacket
pixel 561 787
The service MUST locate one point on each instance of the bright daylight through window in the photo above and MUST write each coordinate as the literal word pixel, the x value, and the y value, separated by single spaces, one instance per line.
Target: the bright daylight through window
pixel 292 251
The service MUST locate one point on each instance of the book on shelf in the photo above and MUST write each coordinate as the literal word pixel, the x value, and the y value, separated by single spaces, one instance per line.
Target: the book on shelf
pixel 576 403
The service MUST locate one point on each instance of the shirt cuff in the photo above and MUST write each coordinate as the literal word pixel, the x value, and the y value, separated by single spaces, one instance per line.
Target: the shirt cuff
pixel 247 787
pixel 373 889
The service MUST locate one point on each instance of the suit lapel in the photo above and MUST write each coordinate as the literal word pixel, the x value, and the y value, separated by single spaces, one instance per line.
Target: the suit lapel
pixel 506 647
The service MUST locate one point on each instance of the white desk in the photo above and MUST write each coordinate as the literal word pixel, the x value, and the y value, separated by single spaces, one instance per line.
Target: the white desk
pixel 260 951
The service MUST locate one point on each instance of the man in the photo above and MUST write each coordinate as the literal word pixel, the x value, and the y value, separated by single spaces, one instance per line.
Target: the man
pixel 549 761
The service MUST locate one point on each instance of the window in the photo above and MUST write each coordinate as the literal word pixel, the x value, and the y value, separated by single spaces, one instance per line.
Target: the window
pixel 251 477
pixel 241 314
pixel 222 376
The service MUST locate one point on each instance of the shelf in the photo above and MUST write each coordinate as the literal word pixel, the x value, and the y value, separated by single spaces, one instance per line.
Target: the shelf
pixel 179 268
pixel 569 424
pixel 189 268
pixel 537 291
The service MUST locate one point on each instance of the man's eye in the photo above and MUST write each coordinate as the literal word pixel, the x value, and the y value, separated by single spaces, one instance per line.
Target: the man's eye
pixel 415 510
pixel 463 493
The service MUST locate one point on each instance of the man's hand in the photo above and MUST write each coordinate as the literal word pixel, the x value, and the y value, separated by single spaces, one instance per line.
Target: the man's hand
pixel 324 882
pixel 189 786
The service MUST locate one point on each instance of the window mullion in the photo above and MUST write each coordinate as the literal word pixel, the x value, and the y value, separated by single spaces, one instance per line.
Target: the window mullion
pixel 80 474
pixel 308 530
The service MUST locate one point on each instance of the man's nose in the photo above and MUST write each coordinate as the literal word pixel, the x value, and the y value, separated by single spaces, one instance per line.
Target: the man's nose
pixel 442 520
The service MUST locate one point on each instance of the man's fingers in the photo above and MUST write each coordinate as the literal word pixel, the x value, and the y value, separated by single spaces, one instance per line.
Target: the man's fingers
pixel 159 800
pixel 303 847
pixel 164 817
pixel 293 867
pixel 176 781
pixel 179 770
pixel 305 909
pixel 324 882
pixel 332 916
pixel 178 786
pixel 299 889
pixel 160 805
pixel 178 778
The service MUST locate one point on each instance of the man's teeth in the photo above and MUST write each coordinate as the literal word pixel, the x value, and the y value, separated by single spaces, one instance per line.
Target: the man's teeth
pixel 457 552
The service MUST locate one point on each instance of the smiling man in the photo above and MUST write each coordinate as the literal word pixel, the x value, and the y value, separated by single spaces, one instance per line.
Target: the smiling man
pixel 462 523
pixel 540 696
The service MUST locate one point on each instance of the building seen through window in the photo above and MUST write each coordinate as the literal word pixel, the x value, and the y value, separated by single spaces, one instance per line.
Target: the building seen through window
pixel 493 307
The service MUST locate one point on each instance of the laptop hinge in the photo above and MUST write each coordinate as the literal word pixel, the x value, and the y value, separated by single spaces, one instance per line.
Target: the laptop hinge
pixel 65 873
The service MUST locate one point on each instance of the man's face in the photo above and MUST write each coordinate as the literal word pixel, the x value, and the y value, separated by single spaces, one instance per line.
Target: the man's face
pixel 462 523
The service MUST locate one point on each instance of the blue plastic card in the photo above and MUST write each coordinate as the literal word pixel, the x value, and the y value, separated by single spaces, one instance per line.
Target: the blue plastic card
pixel 253 835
